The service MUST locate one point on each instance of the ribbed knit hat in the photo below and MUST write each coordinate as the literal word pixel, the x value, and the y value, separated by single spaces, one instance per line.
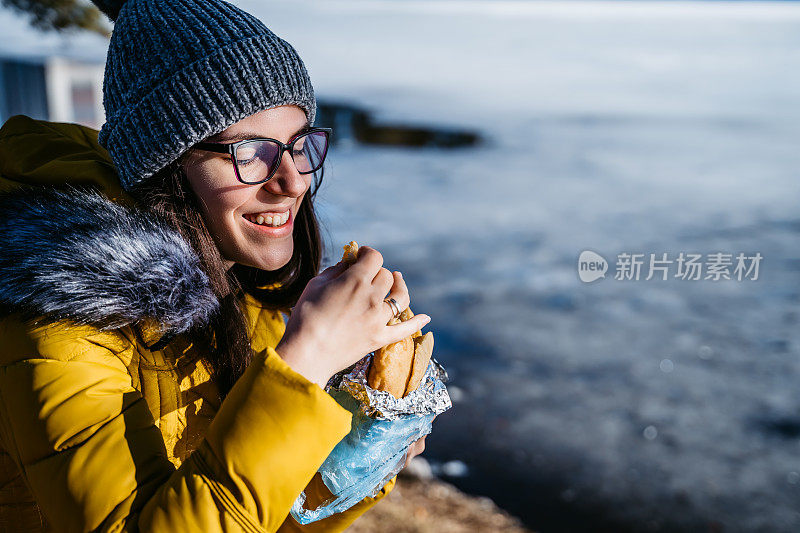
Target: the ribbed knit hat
pixel 179 71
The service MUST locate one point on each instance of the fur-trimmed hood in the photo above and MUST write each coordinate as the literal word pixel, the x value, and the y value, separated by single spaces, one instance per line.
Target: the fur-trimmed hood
pixel 70 252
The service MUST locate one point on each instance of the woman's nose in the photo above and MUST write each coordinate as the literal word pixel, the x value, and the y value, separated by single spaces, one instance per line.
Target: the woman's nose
pixel 287 180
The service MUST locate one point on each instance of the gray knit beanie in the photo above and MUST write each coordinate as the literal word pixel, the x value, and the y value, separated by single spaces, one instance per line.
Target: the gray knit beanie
pixel 179 71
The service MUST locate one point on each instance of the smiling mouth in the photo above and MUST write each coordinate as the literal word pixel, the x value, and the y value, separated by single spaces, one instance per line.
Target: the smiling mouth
pixel 271 220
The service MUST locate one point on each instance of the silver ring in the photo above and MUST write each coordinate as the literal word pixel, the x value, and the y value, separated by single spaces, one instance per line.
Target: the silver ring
pixel 395 308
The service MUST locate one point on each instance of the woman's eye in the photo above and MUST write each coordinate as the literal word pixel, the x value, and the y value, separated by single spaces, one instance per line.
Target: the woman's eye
pixel 244 157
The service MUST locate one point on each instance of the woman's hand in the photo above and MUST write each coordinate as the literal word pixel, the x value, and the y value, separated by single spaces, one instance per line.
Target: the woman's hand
pixel 415 449
pixel 341 316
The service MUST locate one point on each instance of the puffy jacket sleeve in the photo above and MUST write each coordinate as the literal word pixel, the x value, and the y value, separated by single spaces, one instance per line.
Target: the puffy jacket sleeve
pixel 90 451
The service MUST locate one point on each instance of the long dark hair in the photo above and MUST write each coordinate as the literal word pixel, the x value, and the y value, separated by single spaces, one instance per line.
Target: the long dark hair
pixel 225 340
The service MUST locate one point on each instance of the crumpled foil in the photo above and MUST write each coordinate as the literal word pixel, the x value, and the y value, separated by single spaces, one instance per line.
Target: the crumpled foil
pixel 430 397
pixel 383 428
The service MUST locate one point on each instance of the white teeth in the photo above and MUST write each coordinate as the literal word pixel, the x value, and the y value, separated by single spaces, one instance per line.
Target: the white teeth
pixel 270 220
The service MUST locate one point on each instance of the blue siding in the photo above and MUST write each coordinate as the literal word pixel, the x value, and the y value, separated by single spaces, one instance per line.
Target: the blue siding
pixel 22 90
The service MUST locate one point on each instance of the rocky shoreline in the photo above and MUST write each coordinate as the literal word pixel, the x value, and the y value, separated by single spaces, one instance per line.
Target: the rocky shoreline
pixel 425 504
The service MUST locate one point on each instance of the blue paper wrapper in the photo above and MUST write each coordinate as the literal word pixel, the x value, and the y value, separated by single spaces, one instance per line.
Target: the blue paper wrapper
pixel 383 429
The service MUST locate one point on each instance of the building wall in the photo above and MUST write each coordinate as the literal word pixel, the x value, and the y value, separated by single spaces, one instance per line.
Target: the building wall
pixel 52 88
pixel 75 91
pixel 22 89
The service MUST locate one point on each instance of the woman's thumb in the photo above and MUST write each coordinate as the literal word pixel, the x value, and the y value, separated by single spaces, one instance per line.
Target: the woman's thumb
pixel 412 325
pixel 333 271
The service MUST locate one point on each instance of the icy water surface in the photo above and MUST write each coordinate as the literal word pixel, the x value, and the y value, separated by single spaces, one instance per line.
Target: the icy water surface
pixel 617 405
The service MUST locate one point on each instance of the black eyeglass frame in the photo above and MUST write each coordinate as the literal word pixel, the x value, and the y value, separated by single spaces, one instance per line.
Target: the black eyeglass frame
pixel 231 148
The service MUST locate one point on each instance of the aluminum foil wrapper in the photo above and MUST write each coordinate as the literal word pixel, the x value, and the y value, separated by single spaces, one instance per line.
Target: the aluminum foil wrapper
pixel 383 427
pixel 430 397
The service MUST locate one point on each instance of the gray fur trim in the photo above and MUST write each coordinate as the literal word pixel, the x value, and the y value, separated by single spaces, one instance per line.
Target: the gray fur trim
pixel 76 255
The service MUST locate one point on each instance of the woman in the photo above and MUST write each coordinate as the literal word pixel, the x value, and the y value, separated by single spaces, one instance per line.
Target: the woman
pixel 147 379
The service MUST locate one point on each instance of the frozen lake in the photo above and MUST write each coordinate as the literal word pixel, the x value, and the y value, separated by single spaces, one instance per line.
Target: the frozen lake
pixel 619 405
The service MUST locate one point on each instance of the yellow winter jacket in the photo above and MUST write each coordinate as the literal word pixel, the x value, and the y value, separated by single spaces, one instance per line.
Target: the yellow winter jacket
pixel 103 429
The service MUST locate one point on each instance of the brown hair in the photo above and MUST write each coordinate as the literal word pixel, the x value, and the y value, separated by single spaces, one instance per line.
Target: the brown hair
pixel 225 340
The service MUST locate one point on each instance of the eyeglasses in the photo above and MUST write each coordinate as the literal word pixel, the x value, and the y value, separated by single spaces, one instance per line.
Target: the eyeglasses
pixel 256 160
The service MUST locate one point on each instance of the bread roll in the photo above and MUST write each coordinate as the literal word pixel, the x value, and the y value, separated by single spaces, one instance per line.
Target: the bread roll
pixel 397 368
pixel 423 350
pixel 350 252
pixel 391 366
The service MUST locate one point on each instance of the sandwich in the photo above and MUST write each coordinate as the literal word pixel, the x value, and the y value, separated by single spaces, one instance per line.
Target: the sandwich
pixel 397 368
